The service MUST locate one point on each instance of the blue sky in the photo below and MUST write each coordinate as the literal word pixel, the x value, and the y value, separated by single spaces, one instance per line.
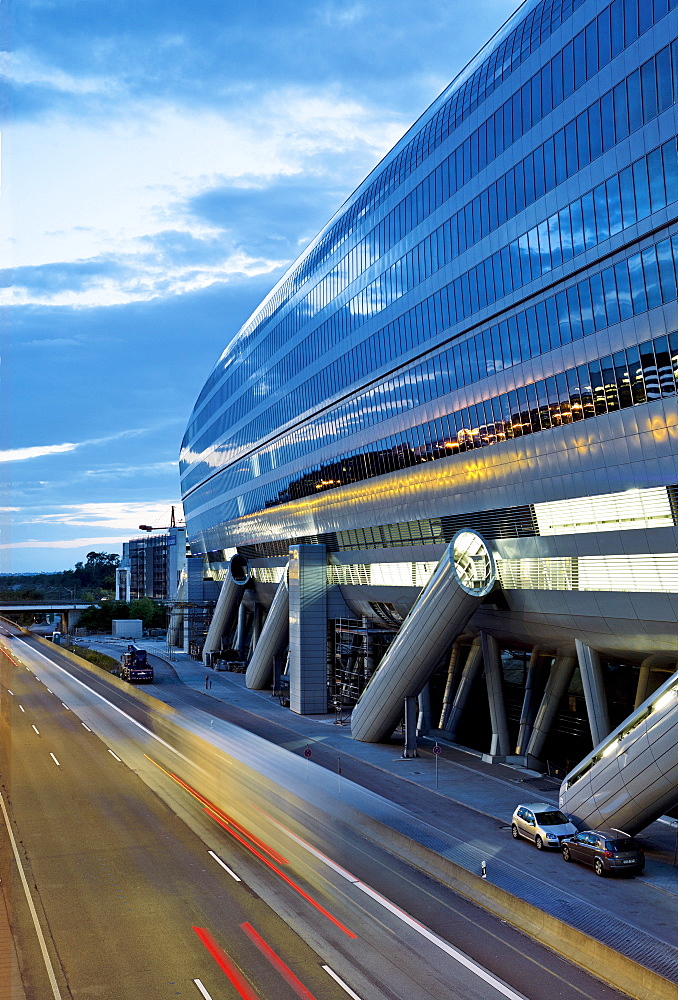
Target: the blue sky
pixel 163 163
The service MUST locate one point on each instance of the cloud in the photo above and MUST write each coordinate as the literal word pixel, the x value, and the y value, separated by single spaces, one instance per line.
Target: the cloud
pixel 117 472
pixel 123 516
pixel 37 451
pixel 108 216
pixel 54 342
pixel 63 543
pixel 140 277
pixel 24 68
pixel 343 14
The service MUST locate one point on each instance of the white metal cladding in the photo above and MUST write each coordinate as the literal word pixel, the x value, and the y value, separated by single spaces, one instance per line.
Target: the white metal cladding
pixel 230 595
pixel 537 574
pixel 272 639
pixel 649 508
pixel 268 574
pixel 630 778
pixel 638 574
pixel 439 615
pixel 649 573
pixel 405 574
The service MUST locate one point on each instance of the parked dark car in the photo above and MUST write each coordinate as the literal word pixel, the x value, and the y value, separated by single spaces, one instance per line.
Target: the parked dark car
pixel 605 851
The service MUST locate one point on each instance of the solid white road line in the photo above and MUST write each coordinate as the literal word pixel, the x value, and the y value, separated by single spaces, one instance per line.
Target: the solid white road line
pixel 202 989
pixel 54 759
pixel 115 708
pixel 420 928
pixel 36 729
pixel 115 755
pixel 453 952
pixel 86 727
pixel 224 866
pixel 31 907
pixel 341 982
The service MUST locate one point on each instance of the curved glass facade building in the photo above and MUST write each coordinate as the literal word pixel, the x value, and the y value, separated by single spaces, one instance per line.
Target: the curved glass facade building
pixel 484 336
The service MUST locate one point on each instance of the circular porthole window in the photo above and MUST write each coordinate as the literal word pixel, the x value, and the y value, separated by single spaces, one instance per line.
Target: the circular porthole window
pixel 473 563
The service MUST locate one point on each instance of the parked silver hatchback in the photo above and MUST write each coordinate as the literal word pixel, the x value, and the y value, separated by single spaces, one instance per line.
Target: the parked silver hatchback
pixel 541 823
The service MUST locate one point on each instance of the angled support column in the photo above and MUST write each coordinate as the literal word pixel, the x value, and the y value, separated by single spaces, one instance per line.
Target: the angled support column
pixel 256 626
pixel 472 667
pixel 452 670
pixel 410 749
pixel 648 667
pixel 241 633
pixel 464 575
pixel 424 719
pixel 230 596
pixel 529 701
pixel 556 686
pixel 272 640
pixel 594 691
pixel 308 629
pixel 495 694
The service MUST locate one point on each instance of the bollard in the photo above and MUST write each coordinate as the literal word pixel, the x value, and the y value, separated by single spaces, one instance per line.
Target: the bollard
pixel 483 869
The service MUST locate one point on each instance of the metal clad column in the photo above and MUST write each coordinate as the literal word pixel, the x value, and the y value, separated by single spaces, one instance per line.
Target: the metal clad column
pixel 308 629
pixel 272 639
pixel 631 778
pixel 256 625
pixel 452 668
pixel 230 595
pixel 529 701
pixel 594 691
pixel 424 718
pixel 464 575
pixel 495 695
pixel 556 686
pixel 242 630
pixel 472 667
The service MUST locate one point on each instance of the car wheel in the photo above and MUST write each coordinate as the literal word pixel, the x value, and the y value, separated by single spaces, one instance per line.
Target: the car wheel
pixel 514 831
pixel 539 843
pixel 566 854
pixel 598 867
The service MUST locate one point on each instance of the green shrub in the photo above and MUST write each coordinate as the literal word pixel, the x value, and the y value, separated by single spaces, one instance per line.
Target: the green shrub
pixel 100 659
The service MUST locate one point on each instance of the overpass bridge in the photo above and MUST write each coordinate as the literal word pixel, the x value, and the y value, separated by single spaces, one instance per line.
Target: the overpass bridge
pixel 69 611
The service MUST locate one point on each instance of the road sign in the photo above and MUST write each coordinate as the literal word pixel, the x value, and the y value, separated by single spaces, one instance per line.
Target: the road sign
pixel 436 749
pixel 307 752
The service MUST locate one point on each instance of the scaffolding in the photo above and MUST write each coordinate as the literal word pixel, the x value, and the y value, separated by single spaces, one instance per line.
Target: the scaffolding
pixel 187 623
pixel 356 648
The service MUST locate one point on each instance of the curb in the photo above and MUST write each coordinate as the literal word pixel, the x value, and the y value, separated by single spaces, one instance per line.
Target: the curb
pixel 597 958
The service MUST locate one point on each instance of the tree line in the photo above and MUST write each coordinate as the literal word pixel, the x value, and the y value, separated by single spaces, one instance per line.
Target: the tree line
pixel 89 581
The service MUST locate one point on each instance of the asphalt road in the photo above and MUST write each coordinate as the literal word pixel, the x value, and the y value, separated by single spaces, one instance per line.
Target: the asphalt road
pixel 114 810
